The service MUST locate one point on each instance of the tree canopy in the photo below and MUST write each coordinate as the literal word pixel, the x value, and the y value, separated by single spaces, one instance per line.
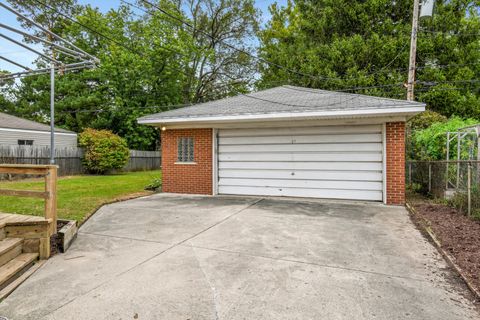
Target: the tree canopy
pixel 198 50
pixel 347 45
pixel 149 62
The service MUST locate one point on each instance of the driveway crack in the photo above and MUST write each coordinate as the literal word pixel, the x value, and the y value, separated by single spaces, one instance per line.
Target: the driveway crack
pixel 212 287
pixel 156 255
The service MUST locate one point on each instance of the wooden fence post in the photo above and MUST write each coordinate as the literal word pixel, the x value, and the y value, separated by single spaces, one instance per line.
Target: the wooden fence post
pixel 51 201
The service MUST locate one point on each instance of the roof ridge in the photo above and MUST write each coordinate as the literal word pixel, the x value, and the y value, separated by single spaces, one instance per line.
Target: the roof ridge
pixel 313 90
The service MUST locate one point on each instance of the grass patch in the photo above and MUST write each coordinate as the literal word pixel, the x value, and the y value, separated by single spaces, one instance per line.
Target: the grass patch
pixel 78 196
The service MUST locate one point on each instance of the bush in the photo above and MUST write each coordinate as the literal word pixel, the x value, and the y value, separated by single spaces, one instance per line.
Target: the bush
pixel 425 119
pixel 155 185
pixel 104 151
pixel 431 143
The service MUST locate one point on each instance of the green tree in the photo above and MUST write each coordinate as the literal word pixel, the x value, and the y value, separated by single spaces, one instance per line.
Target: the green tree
pixel 215 69
pixel 346 44
pixel 149 63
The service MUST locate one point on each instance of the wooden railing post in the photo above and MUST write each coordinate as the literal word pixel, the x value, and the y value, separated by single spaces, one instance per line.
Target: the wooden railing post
pixel 51 200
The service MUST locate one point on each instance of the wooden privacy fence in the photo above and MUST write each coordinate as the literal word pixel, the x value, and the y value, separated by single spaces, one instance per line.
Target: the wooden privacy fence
pixel 69 159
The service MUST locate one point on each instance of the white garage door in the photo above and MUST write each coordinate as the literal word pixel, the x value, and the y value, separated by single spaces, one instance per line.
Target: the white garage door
pixel 339 162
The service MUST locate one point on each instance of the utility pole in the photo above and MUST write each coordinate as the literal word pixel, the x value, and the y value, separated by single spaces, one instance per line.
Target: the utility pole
pixel 413 51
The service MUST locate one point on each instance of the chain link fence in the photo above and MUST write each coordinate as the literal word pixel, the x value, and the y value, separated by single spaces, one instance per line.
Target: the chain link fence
pixel 457 181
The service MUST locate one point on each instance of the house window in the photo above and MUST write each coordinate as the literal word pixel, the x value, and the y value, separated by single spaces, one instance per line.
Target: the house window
pixel 185 150
pixel 25 142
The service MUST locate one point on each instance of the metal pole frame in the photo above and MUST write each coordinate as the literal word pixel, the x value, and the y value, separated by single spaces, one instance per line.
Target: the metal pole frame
pixel 18 14
pixel 16 63
pixel 469 188
pixel 52 114
pixel 30 49
pixel 448 158
pixel 67 67
pixel 60 48
pixel 457 184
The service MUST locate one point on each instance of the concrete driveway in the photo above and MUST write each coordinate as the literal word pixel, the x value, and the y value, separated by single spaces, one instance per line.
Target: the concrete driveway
pixel 190 257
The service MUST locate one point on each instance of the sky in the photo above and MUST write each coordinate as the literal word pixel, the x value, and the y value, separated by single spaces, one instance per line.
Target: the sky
pixel 26 58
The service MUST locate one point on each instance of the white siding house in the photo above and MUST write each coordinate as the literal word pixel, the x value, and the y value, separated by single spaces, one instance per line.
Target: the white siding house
pixel 19 131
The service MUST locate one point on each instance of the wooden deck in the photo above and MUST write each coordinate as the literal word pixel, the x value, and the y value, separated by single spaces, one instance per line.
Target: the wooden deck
pixel 20 219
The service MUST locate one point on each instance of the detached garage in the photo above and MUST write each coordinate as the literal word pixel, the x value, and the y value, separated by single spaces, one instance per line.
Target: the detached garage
pixel 288 141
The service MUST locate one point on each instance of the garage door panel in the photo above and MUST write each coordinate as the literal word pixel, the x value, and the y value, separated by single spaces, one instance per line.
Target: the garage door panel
pixel 341 162
pixel 340 138
pixel 343 166
pixel 291 183
pixel 299 175
pixel 328 147
pixel 256 132
pixel 316 157
pixel 302 192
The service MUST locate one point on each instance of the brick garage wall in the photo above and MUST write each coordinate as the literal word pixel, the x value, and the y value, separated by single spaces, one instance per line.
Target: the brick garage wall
pixel 187 178
pixel 395 136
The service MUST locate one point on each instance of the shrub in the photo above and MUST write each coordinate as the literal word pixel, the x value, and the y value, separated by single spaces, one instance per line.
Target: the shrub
pixel 154 185
pixel 104 150
pixel 431 143
pixel 425 119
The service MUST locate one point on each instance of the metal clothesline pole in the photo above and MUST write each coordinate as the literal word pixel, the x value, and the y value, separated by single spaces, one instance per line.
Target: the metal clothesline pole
pixel 55 36
pixel 52 113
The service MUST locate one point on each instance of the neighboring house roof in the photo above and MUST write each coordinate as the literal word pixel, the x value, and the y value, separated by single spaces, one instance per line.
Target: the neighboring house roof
pixel 287 102
pixel 11 122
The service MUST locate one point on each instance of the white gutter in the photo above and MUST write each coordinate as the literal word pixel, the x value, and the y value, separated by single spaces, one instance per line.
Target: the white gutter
pixel 291 115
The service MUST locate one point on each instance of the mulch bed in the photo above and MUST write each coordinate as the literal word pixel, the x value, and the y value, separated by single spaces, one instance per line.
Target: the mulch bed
pixel 459 236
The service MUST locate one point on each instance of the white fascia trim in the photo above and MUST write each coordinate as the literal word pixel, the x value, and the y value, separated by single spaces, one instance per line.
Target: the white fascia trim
pixel 292 115
pixel 35 131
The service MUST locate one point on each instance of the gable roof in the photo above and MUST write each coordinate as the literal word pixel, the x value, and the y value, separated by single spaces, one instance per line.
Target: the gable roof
pixel 286 101
pixel 12 122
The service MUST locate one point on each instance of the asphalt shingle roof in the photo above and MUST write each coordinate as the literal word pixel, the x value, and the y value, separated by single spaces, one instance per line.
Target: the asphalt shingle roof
pixel 12 122
pixel 282 100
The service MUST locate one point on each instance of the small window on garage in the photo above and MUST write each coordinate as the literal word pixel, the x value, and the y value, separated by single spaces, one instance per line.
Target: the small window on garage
pixel 25 142
pixel 185 150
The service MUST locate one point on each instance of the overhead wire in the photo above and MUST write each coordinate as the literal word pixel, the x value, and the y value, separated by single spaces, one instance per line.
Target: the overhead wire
pixel 229 45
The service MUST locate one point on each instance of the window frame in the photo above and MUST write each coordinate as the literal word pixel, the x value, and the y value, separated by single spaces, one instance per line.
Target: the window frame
pixel 185 150
pixel 25 142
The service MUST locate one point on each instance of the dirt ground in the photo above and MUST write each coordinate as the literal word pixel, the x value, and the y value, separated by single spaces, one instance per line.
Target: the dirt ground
pixel 458 235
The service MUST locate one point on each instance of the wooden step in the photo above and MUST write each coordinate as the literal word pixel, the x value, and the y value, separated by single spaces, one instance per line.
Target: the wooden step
pixel 9 249
pixel 15 267
pixel 12 285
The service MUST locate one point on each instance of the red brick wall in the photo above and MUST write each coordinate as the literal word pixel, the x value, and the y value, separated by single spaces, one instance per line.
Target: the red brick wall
pixel 187 178
pixel 395 136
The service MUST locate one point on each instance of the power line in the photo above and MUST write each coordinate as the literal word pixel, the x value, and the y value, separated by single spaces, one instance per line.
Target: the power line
pixel 195 29
pixel 188 24
pixel 447 33
pixel 50 33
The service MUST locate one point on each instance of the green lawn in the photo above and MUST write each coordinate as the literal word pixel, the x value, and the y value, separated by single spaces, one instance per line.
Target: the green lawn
pixel 78 196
